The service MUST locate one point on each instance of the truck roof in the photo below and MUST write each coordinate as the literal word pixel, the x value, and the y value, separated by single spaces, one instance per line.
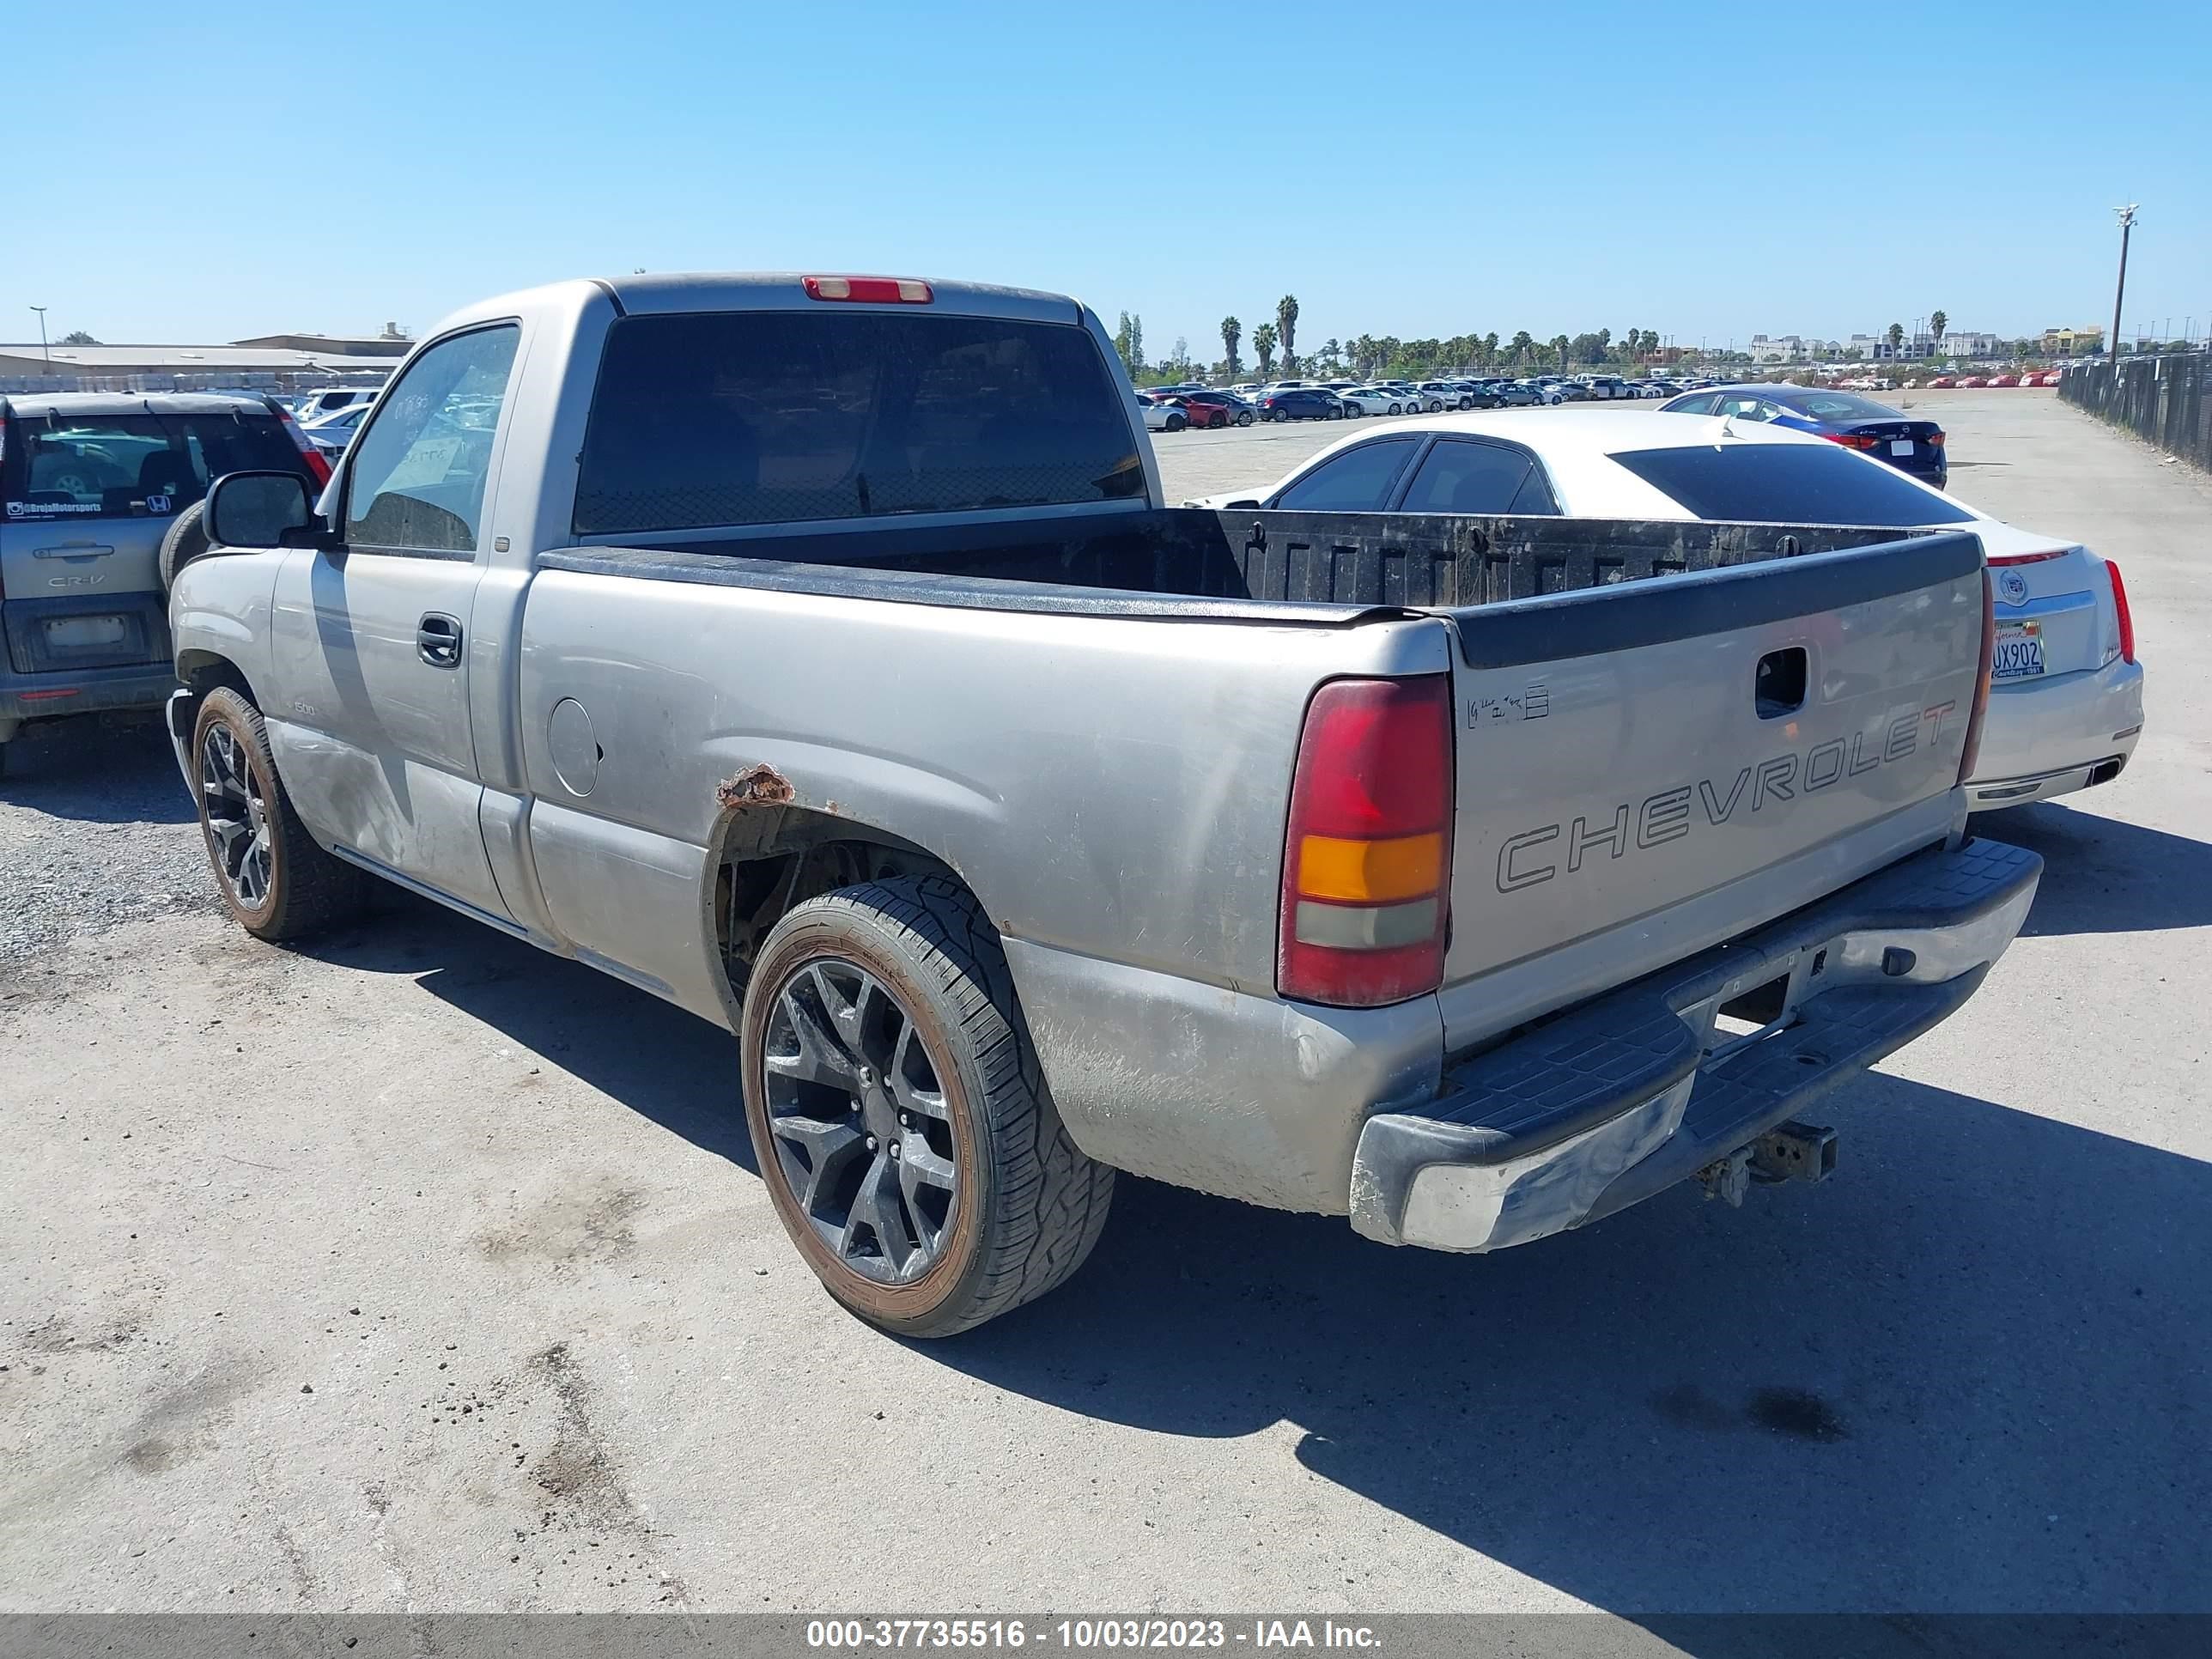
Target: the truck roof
pixel 668 292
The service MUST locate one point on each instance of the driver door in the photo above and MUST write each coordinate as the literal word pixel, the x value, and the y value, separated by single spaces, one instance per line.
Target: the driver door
pixel 370 639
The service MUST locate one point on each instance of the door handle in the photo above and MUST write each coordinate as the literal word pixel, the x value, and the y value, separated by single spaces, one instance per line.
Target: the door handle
pixel 74 551
pixel 438 640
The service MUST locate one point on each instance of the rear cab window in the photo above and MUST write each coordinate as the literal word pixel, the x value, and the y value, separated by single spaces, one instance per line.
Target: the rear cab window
pixel 767 418
pixel 61 468
pixel 1788 483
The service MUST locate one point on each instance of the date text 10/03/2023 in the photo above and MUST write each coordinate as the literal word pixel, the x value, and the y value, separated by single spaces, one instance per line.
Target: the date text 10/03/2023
pixel 854 1635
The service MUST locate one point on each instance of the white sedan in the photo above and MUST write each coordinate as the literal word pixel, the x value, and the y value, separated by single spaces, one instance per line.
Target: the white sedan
pixel 2066 705
pixel 1164 415
pixel 1375 400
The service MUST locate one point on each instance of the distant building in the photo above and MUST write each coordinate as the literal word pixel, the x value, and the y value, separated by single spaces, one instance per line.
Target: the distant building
pixel 1911 347
pixel 189 367
pixel 2073 342
pixel 1788 348
pixel 1966 342
pixel 390 343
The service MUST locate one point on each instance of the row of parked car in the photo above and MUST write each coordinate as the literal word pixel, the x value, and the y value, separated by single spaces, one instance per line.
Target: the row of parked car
pixel 1173 408
pixel 2044 377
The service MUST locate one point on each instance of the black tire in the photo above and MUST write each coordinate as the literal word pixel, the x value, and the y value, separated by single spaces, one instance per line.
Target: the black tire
pixel 184 540
pixel 1176 424
pixel 1028 1206
pixel 304 888
pixel 1397 409
pixel 1244 417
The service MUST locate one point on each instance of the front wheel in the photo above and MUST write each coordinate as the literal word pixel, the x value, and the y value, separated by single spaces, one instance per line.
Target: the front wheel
pixel 273 878
pixel 1245 417
pixel 899 1116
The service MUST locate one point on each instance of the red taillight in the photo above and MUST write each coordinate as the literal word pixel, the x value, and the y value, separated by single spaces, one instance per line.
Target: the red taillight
pixel 1934 440
pixel 1368 856
pixel 1851 440
pixel 1997 561
pixel 319 464
pixel 2127 617
pixel 869 290
pixel 1972 752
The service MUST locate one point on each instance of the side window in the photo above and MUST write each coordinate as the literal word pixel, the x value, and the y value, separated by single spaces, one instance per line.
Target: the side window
pixel 1744 408
pixel 1358 480
pixel 1534 500
pixel 1700 404
pixel 418 473
pixel 1457 477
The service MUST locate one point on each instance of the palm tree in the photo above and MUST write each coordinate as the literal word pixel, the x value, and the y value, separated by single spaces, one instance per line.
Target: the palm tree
pixel 1522 343
pixel 1560 346
pixel 1231 332
pixel 1286 327
pixel 1936 325
pixel 1895 333
pixel 1263 342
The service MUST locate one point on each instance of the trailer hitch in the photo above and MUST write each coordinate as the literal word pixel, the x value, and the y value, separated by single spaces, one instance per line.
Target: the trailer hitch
pixel 1788 1151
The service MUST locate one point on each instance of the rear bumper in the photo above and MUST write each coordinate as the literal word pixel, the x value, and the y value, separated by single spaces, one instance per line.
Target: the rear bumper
pixel 2045 738
pixel 25 697
pixel 1627 1094
pixel 42 680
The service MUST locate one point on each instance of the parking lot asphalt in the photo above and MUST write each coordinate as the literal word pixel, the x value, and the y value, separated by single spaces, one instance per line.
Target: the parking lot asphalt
pixel 417 1270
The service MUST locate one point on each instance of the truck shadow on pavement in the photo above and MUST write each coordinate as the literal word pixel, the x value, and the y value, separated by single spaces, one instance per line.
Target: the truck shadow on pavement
pixel 660 1061
pixel 2105 875
pixel 89 773
pixel 1968 1373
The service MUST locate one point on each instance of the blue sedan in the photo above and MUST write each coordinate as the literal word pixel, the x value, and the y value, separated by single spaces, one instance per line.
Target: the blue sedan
pixel 1887 434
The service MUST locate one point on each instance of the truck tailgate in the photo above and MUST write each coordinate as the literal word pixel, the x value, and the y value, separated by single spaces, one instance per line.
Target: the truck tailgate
pixel 1648 767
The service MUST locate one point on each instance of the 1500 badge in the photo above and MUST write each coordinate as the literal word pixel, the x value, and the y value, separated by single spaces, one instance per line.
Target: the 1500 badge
pixel 1536 855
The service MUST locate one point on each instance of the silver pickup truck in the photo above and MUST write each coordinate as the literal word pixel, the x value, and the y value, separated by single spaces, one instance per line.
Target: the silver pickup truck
pixel 817 653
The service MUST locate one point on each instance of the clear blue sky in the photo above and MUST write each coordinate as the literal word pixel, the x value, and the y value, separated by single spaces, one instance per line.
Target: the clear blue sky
pixel 1555 168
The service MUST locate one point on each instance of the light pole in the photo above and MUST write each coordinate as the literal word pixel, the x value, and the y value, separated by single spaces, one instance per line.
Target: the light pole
pixel 2127 223
pixel 45 350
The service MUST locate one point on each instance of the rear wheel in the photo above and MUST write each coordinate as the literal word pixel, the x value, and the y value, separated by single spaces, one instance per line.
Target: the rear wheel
pixel 1244 417
pixel 899 1116
pixel 1176 424
pixel 184 540
pixel 276 882
pixel 1397 409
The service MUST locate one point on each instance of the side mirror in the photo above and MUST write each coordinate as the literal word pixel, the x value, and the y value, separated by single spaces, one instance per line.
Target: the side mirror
pixel 256 509
pixel 1237 507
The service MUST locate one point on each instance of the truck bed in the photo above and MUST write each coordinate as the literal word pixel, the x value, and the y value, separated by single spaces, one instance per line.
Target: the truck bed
pixel 1277 566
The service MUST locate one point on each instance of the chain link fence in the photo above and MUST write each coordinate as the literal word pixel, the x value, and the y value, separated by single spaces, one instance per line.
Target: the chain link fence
pixel 2165 399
